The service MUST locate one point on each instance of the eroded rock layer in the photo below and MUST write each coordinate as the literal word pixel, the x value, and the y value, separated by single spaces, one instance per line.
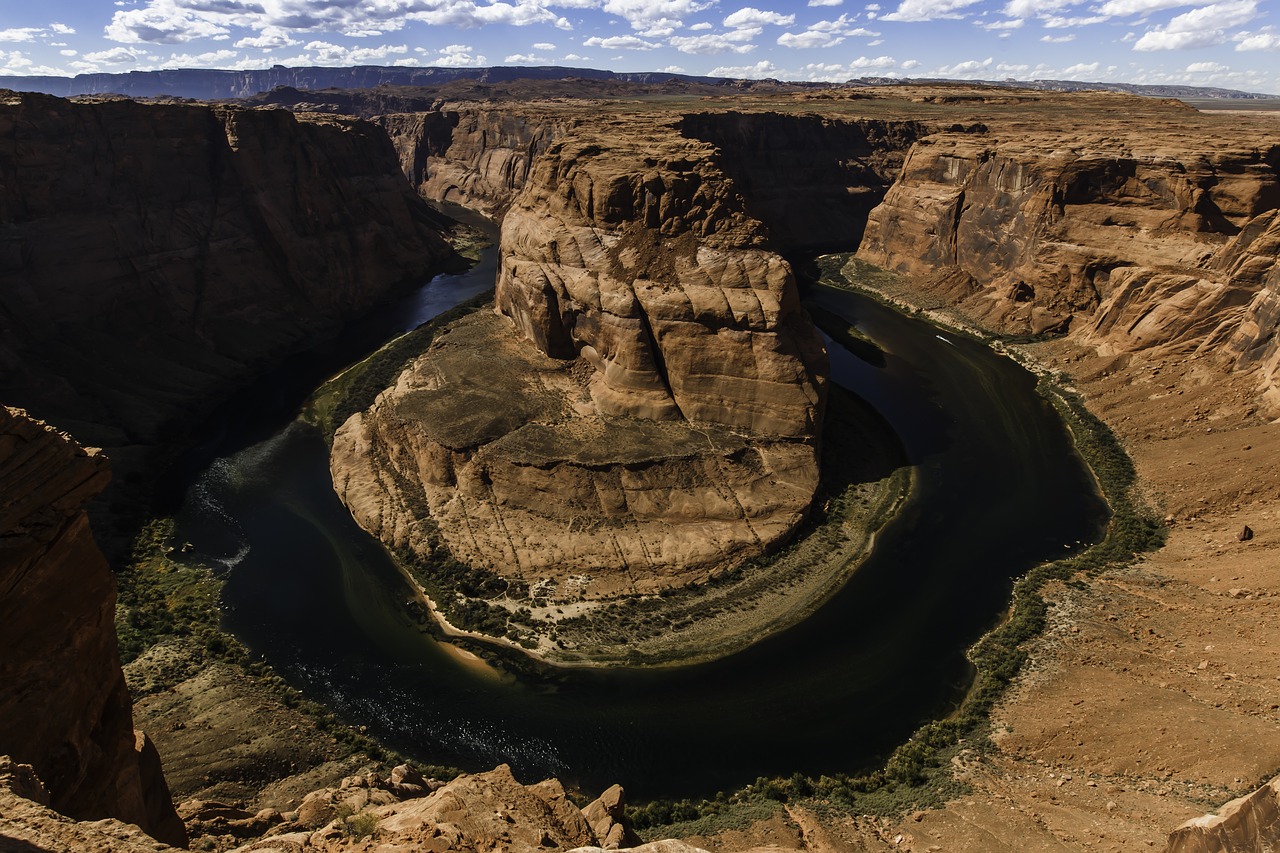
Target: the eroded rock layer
pixel 65 709
pixel 646 412
pixel 154 256
pixel 1131 235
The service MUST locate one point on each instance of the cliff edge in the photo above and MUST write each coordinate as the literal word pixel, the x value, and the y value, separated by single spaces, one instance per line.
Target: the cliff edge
pixel 65 709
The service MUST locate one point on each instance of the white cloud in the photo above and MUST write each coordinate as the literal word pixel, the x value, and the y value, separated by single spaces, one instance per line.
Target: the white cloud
pixel 1263 40
pixel 525 59
pixel 1200 27
pixel 825 2
pixel 713 44
pixel 928 10
pixel 969 68
pixel 69 52
pixel 642 13
pixel 1207 68
pixel 763 68
pixel 910 64
pixel 1082 68
pixel 333 54
pixel 114 56
pixel 1033 8
pixel 1125 8
pixel 1006 68
pixel 162 22
pixel 1014 24
pixel 621 43
pixel 459 55
pixel 62 29
pixel 809 39
pixel 1058 39
pixel 269 39
pixel 672 69
pixel 543 45
pixel 879 62
pixel 700 26
pixel 16 34
pixel 752 17
pixel 1055 22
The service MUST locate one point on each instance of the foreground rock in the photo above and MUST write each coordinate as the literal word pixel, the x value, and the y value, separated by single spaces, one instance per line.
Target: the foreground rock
pixel 65 709
pixel 647 413
pixel 1251 822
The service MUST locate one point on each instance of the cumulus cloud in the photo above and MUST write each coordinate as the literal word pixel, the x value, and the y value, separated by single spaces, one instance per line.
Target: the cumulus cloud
pixel 16 34
pixel 968 68
pixel 621 43
pixel 763 68
pixel 928 10
pixel 712 44
pixel 1033 8
pixel 62 29
pixel 672 69
pixel 1200 27
pixel 1014 24
pixel 1082 68
pixel 1126 8
pixel 1207 68
pixel 459 55
pixel 641 14
pixel 162 23
pixel 543 45
pixel 825 2
pixel 1058 39
pixel 113 56
pixel 326 53
pixel 1263 40
pixel 269 39
pixel 752 17
pixel 825 34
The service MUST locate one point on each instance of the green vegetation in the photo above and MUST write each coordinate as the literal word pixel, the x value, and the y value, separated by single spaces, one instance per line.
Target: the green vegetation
pixel 354 390
pixel 917 774
pixel 162 600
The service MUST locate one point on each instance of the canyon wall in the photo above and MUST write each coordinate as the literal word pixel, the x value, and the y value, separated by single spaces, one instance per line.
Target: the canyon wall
pixel 811 179
pixel 1137 239
pixel 649 412
pixel 152 257
pixel 478 157
pixel 65 709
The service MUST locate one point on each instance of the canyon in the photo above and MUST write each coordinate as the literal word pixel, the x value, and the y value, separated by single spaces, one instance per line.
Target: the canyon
pixel 1126 246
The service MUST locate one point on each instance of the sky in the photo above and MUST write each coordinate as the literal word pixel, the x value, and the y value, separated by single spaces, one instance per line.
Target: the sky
pixel 1229 43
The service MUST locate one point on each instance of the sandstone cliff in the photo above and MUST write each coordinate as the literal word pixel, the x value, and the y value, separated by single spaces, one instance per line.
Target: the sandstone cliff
pixel 155 256
pixel 1131 236
pixel 479 158
pixel 65 708
pixel 1251 822
pixel 659 419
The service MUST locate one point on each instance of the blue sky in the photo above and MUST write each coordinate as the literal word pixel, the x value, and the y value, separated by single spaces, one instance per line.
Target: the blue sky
pixel 1231 43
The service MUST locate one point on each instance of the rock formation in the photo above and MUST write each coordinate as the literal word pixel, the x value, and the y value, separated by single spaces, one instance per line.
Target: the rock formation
pixel 65 709
pixel 1251 822
pixel 141 281
pixel 659 418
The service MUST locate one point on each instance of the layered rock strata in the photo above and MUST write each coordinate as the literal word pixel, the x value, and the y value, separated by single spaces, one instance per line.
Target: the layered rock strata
pixel 478 158
pixel 1130 237
pixel 154 256
pixel 646 412
pixel 65 709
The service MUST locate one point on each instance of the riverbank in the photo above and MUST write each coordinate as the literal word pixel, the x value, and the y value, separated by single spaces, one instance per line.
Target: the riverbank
pixel 1149 696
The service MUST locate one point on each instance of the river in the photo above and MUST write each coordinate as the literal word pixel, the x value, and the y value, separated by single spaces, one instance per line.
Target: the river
pixel 999 489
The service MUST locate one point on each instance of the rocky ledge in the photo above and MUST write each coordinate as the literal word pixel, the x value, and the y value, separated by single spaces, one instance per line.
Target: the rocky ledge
pixel 643 412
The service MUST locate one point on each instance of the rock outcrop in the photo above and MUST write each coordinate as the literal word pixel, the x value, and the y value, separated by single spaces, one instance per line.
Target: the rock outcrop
pixel 1248 823
pixel 481 812
pixel 65 709
pixel 152 257
pixel 1129 237
pixel 647 414
pixel 479 158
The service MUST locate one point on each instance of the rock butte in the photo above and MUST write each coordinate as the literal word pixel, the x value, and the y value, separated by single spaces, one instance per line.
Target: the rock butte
pixel 1142 233
pixel 649 410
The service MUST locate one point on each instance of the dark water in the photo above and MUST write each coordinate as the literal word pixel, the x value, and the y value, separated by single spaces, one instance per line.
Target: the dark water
pixel 999 489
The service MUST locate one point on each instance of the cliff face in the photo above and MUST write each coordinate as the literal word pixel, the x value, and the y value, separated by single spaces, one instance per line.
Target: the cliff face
pixel 152 256
pixel 479 158
pixel 811 179
pixel 649 413
pixel 65 708
pixel 1128 242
